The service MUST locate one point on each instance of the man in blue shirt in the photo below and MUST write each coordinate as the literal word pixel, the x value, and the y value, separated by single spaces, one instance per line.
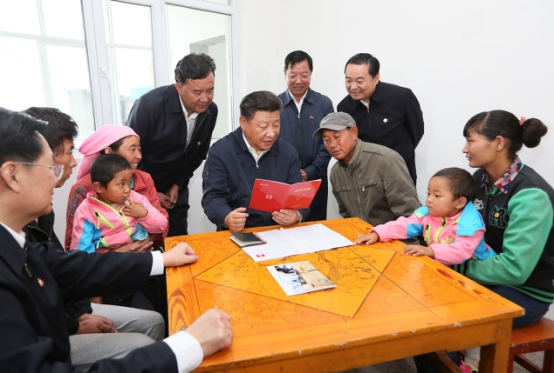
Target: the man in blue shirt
pixel 253 151
pixel 303 110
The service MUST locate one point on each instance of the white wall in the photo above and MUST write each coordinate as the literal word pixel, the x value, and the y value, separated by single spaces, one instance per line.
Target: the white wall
pixel 459 58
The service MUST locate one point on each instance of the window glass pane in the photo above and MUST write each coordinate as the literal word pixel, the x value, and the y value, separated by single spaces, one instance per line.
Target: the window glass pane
pixel 129 24
pixel 63 18
pixel 129 39
pixel 22 84
pixel 19 16
pixel 135 77
pixel 225 2
pixel 70 85
pixel 195 31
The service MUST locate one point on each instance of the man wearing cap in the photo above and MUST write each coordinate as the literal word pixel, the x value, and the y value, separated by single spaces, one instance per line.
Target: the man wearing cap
pixel 369 181
pixel 386 114
pixel 303 109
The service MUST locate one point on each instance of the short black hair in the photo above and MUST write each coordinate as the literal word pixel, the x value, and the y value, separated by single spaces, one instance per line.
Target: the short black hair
pixel 460 181
pixel 20 137
pixel 298 56
pixel 365 59
pixel 259 101
pixel 106 166
pixel 61 126
pixel 194 66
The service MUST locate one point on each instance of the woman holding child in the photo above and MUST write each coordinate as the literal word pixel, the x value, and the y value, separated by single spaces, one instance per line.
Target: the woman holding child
pixel 517 206
pixel 121 140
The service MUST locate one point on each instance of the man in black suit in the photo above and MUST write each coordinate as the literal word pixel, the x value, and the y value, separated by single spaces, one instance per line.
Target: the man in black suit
pixel 385 114
pixel 34 278
pixel 175 124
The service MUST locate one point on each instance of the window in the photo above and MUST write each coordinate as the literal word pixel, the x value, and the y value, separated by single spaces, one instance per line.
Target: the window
pixel 92 59
pixel 43 59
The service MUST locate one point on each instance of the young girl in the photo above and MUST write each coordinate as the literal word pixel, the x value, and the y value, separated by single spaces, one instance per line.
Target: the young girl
pixel 113 214
pixel 449 223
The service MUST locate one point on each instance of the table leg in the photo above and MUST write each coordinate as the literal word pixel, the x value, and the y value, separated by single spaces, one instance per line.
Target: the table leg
pixel 494 357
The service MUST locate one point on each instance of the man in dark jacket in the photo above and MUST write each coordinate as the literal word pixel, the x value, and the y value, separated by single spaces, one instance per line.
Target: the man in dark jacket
pixel 175 125
pixel 235 161
pixel 385 114
pixel 35 277
pixel 97 331
pixel 303 109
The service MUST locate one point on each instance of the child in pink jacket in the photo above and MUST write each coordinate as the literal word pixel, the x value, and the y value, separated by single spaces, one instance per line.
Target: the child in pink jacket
pixel 113 214
pixel 451 226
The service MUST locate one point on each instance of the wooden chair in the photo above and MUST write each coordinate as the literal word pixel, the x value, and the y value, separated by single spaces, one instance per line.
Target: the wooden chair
pixel 533 338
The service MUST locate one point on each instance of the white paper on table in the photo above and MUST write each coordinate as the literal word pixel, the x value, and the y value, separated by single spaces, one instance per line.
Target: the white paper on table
pixel 293 241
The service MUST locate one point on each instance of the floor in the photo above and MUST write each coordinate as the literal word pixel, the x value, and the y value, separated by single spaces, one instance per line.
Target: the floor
pixel 407 366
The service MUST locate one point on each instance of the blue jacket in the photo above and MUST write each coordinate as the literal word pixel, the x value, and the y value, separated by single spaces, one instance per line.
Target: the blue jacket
pixel 314 158
pixel 230 171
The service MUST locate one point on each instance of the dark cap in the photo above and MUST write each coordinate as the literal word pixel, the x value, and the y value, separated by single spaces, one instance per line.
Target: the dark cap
pixel 335 122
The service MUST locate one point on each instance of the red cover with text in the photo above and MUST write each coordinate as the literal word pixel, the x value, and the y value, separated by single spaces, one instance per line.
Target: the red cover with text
pixel 268 195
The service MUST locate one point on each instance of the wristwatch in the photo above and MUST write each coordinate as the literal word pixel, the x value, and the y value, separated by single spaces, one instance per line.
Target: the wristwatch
pixel 300 219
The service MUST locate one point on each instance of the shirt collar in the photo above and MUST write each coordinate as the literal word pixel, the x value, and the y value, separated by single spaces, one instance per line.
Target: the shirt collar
pixel 19 237
pixel 252 150
pixel 503 184
pixel 187 116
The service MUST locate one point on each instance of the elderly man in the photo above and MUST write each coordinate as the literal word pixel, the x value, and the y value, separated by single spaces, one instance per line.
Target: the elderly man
pixel 386 114
pixel 252 151
pixel 303 109
pixel 35 277
pixel 369 181
pixel 175 125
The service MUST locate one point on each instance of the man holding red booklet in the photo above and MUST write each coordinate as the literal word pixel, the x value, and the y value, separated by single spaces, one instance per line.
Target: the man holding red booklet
pixel 251 152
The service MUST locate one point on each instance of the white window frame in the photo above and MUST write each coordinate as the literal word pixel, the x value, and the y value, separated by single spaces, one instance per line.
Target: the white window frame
pixel 93 20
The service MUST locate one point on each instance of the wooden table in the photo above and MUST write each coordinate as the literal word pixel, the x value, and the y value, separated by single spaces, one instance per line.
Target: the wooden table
pixel 386 306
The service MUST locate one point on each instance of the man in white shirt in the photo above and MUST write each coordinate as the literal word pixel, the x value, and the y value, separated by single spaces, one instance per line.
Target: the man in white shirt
pixel 36 277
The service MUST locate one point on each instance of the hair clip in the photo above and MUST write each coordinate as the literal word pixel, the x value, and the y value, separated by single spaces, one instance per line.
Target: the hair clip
pixel 522 120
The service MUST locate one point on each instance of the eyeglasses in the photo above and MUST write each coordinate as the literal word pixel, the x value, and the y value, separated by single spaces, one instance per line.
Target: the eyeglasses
pixel 56 169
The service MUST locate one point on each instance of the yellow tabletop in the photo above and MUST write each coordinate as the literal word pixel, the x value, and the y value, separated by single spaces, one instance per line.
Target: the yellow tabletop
pixel 386 306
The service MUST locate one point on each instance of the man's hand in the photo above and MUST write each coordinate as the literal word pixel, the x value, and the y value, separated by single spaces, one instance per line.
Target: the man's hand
pixel 286 217
pixel 369 238
pixel 89 324
pixel 419 250
pixel 134 209
pixel 213 330
pixel 236 219
pixel 179 255
pixel 172 195
pixel 304 175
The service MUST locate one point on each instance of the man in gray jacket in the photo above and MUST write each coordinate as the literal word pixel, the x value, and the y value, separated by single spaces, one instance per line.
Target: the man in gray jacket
pixel 369 181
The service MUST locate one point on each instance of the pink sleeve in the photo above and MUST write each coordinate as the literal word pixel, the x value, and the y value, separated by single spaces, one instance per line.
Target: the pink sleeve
pixel 398 229
pixel 458 251
pixel 155 222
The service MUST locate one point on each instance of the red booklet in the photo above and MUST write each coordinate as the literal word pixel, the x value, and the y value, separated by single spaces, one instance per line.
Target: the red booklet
pixel 268 195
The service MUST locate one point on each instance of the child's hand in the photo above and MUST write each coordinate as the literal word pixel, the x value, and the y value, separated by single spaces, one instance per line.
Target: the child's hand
pixel 368 238
pixel 419 250
pixel 134 209
pixel 179 255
